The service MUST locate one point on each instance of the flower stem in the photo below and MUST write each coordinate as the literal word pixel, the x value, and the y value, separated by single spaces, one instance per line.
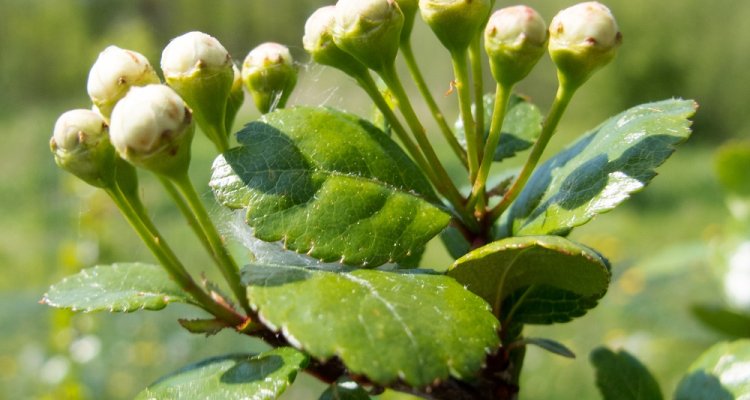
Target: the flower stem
pixel 132 209
pixel 416 74
pixel 220 137
pixel 562 99
pixel 475 59
pixel 464 101
pixel 366 82
pixel 443 182
pixel 368 85
pixel 186 212
pixel 502 96
pixel 224 261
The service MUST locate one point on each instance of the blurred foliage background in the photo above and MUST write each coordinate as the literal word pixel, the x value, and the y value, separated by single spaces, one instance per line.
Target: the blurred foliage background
pixel 661 242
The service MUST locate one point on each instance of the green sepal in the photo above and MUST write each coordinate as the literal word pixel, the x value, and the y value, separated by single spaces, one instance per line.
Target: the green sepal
pixel 206 92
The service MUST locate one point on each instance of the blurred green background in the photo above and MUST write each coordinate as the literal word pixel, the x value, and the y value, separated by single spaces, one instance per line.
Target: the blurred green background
pixel 660 242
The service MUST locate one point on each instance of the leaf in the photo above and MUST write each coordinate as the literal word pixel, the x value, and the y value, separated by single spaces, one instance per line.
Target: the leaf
pixel 521 127
pixel 345 389
pixel 722 372
pixel 387 325
pixel 550 345
pixel 231 377
pixel 733 166
pixel 207 327
pixel 620 376
pixel 116 288
pixel 723 320
pixel 537 279
pixel 330 185
pixel 600 170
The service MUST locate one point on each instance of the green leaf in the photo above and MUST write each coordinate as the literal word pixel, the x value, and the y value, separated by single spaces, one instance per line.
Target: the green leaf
pixel 231 377
pixel 207 327
pixel 722 372
pixel 733 167
pixel 620 376
pixel 535 279
pixel 116 288
pixel 550 345
pixel 521 127
pixel 723 320
pixel 330 185
pixel 345 389
pixel 600 170
pixel 387 325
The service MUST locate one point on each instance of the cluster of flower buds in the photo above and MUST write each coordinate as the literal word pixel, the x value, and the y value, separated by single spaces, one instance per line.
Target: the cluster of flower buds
pixel 357 34
pixel 150 123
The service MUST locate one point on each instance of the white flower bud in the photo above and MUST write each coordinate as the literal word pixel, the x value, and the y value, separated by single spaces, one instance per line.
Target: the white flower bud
pixel 369 30
pixel 79 128
pixel 269 75
pixel 583 38
pixel 515 39
pixel 151 128
pixel 318 42
pixel 199 68
pixel 112 75
pixel 187 54
pixel 81 146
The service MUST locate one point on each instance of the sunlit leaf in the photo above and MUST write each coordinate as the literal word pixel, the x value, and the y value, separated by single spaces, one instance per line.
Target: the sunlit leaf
pixel 116 288
pixel 599 171
pixel 722 372
pixel 408 324
pixel 232 377
pixel 330 185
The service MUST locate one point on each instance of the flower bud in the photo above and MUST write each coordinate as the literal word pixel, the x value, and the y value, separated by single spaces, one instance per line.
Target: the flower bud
pixel 152 128
pixel 112 75
pixel 455 22
pixel 199 68
pixel 369 30
pixel 236 98
pixel 515 39
pixel 81 146
pixel 409 8
pixel 318 42
pixel 583 38
pixel 269 75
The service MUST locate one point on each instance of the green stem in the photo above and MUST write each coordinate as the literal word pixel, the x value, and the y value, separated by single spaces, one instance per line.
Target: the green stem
pixel 225 262
pixel 368 85
pixel 131 208
pixel 502 96
pixel 366 82
pixel 562 99
pixel 219 137
pixel 464 101
pixel 186 212
pixel 416 74
pixel 443 182
pixel 475 58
